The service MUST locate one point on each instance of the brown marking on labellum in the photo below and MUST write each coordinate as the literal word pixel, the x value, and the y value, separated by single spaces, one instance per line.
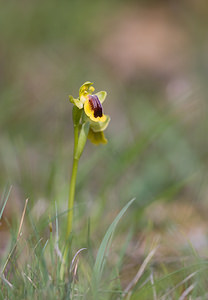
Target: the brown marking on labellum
pixel 96 105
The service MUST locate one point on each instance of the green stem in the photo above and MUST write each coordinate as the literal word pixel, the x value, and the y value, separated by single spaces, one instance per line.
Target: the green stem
pixel 76 137
pixel 70 200
pixel 72 184
pixel 80 138
pixel 71 196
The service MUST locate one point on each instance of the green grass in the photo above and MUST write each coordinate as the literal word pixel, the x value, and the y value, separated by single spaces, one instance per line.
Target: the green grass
pixel 32 268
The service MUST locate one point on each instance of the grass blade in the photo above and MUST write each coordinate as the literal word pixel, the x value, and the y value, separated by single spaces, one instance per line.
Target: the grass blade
pixel 5 201
pixel 105 244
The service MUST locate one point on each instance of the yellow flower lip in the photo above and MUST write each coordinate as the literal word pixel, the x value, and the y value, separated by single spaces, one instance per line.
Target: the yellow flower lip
pixel 93 109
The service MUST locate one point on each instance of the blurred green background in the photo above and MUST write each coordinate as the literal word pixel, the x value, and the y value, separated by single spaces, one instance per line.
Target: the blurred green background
pixel 151 58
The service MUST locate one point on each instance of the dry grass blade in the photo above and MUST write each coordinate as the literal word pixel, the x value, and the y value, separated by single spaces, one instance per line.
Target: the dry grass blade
pixel 6 281
pixel 5 202
pixel 22 218
pixel 74 275
pixel 187 291
pixel 58 252
pixel 56 248
pixel 30 280
pixel 179 284
pixel 18 237
pixel 153 286
pixel 140 272
pixel 74 258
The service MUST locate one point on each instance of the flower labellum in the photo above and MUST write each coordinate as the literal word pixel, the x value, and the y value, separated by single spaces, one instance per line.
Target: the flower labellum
pixel 96 105
pixel 93 109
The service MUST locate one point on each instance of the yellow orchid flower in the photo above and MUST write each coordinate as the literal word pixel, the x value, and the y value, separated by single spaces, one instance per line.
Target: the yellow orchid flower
pixel 92 107
pixel 92 103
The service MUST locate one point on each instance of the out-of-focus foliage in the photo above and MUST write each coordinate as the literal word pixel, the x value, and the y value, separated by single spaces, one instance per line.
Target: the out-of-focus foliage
pixel 151 58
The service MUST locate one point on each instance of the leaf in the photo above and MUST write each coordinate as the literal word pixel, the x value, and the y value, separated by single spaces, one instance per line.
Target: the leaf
pixel 82 139
pixel 105 244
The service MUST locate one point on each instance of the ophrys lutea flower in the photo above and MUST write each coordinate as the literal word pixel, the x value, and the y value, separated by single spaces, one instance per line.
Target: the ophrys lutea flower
pixel 91 106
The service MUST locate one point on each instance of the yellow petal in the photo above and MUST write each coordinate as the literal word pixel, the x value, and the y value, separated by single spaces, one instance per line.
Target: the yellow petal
pixel 97 137
pixel 91 89
pixel 101 119
pixel 85 88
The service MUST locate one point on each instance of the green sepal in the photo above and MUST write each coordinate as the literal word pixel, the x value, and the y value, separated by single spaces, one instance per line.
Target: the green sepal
pixel 101 96
pixel 76 102
pixel 76 114
pixel 71 98
pixel 82 139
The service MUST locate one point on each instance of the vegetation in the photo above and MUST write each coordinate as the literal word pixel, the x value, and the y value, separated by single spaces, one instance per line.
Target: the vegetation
pixel 140 225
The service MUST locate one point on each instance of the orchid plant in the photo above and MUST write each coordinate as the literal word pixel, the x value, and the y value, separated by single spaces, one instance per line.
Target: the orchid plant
pixel 89 123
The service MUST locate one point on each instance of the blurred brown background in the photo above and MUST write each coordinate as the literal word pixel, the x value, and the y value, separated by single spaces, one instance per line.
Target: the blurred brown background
pixel 151 57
